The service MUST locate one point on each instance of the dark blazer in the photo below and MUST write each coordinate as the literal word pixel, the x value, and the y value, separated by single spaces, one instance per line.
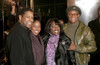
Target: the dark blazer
pixel 95 27
pixel 62 56
pixel 19 46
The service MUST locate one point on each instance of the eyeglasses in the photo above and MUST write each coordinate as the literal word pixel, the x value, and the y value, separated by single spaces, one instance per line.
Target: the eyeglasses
pixel 73 14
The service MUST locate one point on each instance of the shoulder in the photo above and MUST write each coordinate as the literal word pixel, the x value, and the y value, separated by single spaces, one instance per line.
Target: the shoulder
pixel 86 29
pixel 18 31
pixel 65 38
pixel 65 27
pixel 17 27
pixel 82 25
pixel 45 37
pixel 93 22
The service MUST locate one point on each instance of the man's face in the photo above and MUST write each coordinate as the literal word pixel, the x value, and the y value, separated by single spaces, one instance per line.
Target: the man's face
pixel 26 19
pixel 73 16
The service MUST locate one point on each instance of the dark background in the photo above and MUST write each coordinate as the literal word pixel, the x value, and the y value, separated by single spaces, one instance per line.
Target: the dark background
pixel 57 8
pixel 44 8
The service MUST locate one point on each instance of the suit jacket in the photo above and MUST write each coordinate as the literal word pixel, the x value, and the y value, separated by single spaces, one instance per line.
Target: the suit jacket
pixel 95 27
pixel 19 46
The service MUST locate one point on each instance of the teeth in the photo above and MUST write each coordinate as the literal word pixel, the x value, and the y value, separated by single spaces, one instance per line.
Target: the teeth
pixel 29 23
pixel 73 18
pixel 56 31
pixel 36 31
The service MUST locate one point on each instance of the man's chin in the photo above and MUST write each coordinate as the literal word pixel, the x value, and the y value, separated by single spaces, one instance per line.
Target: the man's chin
pixel 29 27
pixel 72 22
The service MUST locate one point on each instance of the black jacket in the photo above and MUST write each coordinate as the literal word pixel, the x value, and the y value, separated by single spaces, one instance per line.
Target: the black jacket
pixel 95 27
pixel 62 55
pixel 19 46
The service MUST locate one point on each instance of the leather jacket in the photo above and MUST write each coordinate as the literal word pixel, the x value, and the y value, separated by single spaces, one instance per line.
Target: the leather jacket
pixel 85 43
pixel 62 55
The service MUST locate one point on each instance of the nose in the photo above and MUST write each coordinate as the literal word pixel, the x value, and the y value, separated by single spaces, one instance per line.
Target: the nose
pixel 56 28
pixel 38 28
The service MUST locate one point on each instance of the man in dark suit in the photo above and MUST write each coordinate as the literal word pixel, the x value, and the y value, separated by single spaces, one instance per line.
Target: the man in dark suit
pixel 95 27
pixel 19 45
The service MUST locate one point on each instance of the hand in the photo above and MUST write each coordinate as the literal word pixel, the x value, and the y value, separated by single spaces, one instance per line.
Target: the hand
pixel 13 7
pixel 13 3
pixel 5 59
pixel 72 46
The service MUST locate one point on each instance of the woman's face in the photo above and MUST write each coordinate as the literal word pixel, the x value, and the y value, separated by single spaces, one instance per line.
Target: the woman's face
pixel 54 29
pixel 36 27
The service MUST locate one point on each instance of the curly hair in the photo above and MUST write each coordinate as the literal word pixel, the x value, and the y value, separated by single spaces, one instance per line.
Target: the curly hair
pixel 48 24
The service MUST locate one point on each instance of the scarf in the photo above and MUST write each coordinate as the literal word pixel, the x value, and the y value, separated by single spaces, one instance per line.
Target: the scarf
pixel 51 48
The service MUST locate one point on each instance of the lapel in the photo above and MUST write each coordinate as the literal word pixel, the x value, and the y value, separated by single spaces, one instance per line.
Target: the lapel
pixel 97 24
pixel 35 39
pixel 79 32
pixel 40 38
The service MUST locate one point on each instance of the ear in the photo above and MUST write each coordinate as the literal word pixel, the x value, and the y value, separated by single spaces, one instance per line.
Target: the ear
pixel 20 18
pixel 78 15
